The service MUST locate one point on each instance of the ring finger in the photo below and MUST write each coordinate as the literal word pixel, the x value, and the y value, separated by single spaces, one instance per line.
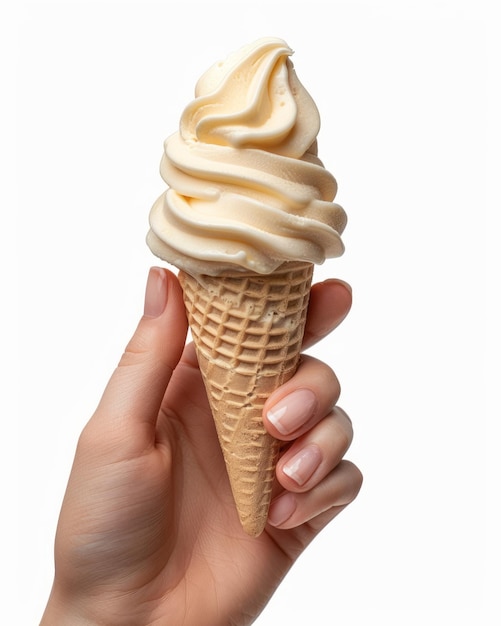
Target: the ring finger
pixel 338 489
pixel 314 455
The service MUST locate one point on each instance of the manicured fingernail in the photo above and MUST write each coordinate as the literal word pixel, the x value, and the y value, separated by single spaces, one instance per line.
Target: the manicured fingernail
pixel 292 411
pixel 281 509
pixel 338 281
pixel 155 297
pixel 302 466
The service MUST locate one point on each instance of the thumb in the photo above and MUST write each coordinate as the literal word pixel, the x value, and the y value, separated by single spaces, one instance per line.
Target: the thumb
pixel 132 398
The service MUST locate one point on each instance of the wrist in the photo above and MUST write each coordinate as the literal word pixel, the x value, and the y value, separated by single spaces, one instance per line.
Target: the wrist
pixel 60 611
pixel 65 609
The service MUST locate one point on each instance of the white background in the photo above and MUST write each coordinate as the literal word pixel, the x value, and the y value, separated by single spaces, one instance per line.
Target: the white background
pixel 404 90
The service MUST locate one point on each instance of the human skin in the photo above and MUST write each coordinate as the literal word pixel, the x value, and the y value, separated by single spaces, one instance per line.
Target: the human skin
pixel 148 533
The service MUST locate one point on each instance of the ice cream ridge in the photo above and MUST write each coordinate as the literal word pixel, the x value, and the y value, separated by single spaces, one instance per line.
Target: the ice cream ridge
pixel 248 212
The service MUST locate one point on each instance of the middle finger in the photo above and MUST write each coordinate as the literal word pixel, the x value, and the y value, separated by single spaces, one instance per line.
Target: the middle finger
pixel 301 402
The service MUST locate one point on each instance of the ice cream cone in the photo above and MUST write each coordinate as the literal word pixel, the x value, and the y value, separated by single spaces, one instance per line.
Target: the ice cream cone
pixel 248 210
pixel 247 329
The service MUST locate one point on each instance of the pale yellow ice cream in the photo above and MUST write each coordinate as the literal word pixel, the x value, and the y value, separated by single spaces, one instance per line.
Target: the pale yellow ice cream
pixel 246 189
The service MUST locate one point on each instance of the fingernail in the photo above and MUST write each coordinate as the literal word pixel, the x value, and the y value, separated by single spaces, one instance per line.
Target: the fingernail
pixel 302 466
pixel 281 509
pixel 338 281
pixel 155 297
pixel 292 411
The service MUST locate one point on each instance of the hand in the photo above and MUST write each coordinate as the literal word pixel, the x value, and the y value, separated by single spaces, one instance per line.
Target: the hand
pixel 148 532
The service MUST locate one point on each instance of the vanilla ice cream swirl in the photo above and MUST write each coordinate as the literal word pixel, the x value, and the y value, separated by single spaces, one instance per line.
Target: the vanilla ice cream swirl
pixel 246 190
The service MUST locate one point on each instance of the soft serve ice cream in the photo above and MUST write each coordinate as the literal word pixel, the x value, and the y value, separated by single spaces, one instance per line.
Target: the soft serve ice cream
pixel 247 191
pixel 248 212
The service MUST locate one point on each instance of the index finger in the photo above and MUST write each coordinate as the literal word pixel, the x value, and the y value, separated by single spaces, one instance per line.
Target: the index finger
pixel 330 302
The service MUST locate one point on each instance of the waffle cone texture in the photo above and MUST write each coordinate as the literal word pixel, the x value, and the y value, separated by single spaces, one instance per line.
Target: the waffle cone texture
pixel 247 330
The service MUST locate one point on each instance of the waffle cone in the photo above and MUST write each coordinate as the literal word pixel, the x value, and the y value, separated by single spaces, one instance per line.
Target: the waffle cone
pixel 247 330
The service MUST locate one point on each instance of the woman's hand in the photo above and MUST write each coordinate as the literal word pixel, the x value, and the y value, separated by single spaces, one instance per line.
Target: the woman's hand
pixel 148 531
